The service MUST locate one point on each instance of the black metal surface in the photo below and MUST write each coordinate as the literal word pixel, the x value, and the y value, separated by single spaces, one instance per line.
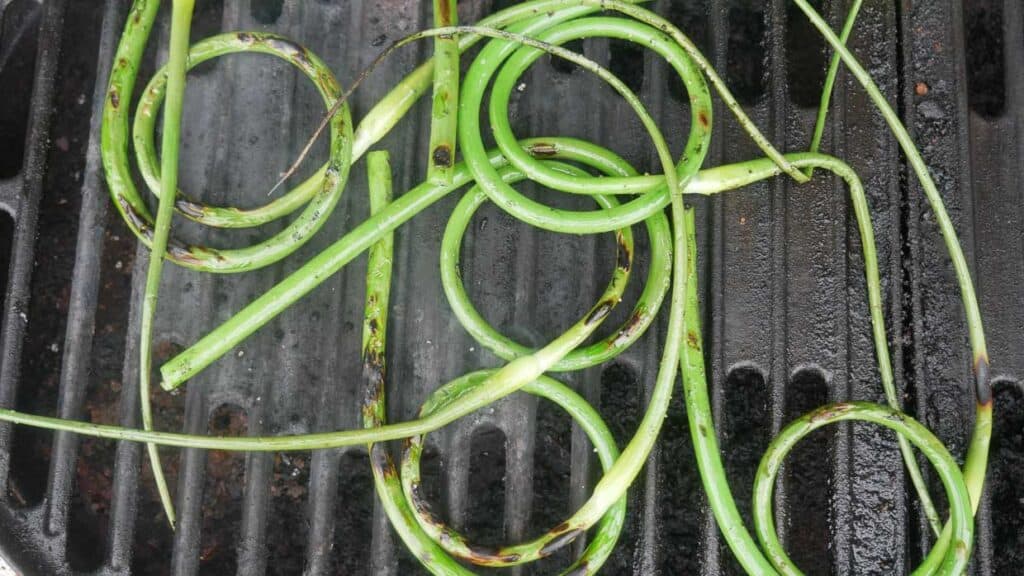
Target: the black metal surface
pixel 783 294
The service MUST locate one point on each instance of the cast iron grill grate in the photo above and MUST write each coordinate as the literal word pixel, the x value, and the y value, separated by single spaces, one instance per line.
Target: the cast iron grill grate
pixel 787 325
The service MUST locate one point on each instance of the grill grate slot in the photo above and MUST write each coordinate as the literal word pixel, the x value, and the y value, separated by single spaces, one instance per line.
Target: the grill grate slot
pixel 19 33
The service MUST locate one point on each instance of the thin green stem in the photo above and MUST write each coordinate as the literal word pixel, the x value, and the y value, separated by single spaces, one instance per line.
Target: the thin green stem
pixel 830 80
pixel 181 21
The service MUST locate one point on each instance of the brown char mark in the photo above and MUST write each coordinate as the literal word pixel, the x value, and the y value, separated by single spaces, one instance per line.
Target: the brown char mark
pixel 181 253
pixel 560 542
pixel 445 15
pixel 189 208
pixel 692 340
pixel 827 412
pixel 599 313
pixel 982 384
pixel 442 156
pixel 423 507
pixel 488 557
pixel 624 256
pixel 543 149
pixel 628 328
pixel 135 218
pixel 285 46
pixel 373 374
pixel 380 460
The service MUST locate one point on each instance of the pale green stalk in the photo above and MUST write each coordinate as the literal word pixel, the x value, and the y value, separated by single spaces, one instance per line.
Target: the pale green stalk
pixel 181 20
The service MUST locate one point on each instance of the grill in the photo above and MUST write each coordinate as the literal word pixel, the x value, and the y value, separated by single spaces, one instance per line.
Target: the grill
pixel 787 325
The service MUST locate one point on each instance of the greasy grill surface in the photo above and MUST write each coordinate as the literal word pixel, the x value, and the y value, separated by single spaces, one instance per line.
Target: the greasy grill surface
pixel 786 324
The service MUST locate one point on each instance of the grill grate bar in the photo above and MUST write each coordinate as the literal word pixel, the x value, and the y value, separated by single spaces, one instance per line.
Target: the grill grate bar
pixel 20 196
pixel 128 461
pixel 722 140
pixel 189 499
pixel 26 215
pixel 81 324
pixel 95 211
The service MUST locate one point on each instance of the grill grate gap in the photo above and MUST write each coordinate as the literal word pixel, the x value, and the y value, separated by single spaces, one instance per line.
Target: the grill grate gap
pixel 552 473
pixel 18 41
pixel 1006 491
pixel 627 62
pixel 485 517
pixel 222 495
pixel 6 245
pixel 266 11
pixel 562 65
pixel 208 20
pixel 287 525
pixel 808 477
pixel 681 492
pixel 551 466
pixel 354 514
pixel 986 60
pixel 806 60
pixel 154 539
pixel 746 425
pixel 621 407
pixel 88 515
pixel 746 70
